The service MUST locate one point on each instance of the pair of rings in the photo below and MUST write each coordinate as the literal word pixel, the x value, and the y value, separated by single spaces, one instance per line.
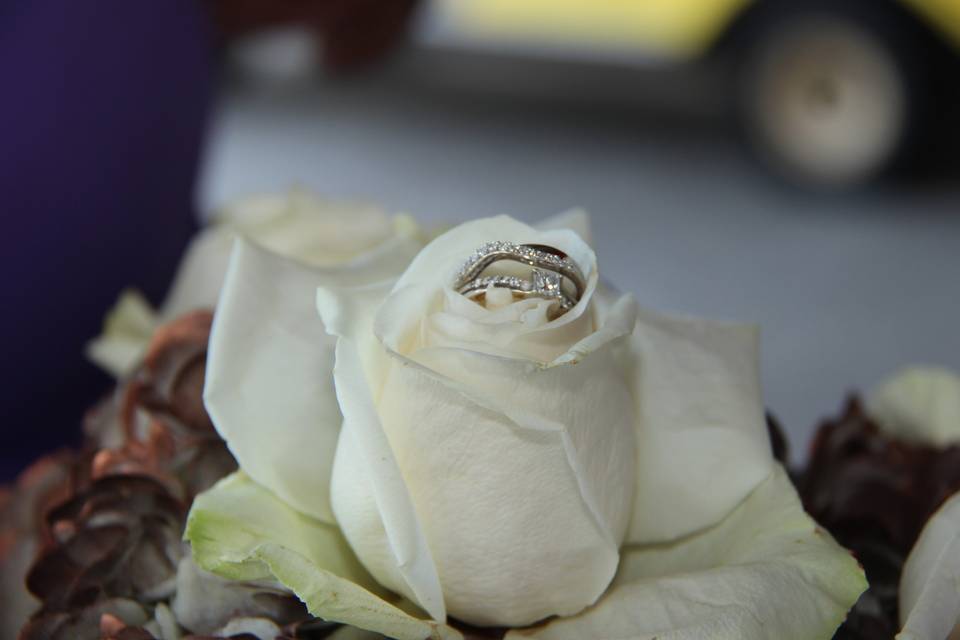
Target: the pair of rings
pixel 554 276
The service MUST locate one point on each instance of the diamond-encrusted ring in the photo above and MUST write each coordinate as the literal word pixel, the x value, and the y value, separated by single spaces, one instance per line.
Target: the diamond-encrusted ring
pixel 535 255
pixel 551 270
pixel 544 285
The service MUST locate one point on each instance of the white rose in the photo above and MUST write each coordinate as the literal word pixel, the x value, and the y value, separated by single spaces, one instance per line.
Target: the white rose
pixel 295 224
pixel 496 466
pixel 922 405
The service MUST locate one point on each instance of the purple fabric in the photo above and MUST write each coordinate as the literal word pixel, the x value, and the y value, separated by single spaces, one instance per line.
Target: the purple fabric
pixel 101 118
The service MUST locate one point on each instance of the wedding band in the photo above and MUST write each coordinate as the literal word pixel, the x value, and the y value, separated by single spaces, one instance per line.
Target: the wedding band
pixel 541 256
pixel 552 269
pixel 541 287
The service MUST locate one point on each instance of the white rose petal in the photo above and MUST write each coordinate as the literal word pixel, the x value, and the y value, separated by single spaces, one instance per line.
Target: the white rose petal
pixel 919 404
pixel 765 571
pixel 294 224
pixel 367 487
pixel 930 582
pixel 702 440
pixel 537 466
pixel 269 385
pixel 301 225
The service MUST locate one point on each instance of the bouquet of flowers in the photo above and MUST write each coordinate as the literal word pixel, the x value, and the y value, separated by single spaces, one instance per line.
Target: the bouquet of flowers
pixel 340 425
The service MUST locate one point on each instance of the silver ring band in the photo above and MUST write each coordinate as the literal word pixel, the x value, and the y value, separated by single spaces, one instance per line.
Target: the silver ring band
pixel 552 269
pixel 540 256
pixel 521 288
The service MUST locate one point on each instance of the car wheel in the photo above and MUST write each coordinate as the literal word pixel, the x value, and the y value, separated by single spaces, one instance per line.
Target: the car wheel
pixel 830 96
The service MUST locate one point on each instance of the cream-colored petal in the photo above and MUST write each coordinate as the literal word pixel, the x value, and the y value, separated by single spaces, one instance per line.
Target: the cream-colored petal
pixel 702 443
pixel 241 531
pixel 370 494
pixel 515 531
pixel 368 491
pixel 299 224
pixel 315 230
pixel 421 316
pixel 930 582
pixel 765 571
pixel 127 330
pixel 520 329
pixel 295 224
pixel 537 467
pixel 269 386
pixel 919 404
pixel 348 312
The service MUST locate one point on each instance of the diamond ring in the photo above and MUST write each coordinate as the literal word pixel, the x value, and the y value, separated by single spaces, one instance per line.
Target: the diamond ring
pixel 544 285
pixel 552 269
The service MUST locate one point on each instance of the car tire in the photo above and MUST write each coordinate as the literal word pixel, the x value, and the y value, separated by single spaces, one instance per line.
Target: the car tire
pixel 832 96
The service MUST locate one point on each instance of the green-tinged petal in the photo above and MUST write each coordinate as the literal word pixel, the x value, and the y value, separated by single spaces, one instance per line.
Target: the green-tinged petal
pixel 126 333
pixel 765 571
pixel 919 404
pixel 930 584
pixel 241 531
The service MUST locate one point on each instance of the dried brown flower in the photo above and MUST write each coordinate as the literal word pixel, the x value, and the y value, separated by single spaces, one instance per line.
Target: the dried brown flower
pixel 118 538
pixel 44 484
pixel 155 423
pixel 874 493
pixel 96 535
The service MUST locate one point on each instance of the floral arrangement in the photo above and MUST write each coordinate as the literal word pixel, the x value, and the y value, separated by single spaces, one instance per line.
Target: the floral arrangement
pixel 363 442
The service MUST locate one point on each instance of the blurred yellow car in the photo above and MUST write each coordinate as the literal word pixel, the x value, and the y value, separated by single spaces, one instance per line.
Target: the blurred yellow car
pixel 831 93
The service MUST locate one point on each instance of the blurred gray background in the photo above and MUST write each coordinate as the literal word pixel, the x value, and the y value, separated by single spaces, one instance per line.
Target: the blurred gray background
pixel 846 288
